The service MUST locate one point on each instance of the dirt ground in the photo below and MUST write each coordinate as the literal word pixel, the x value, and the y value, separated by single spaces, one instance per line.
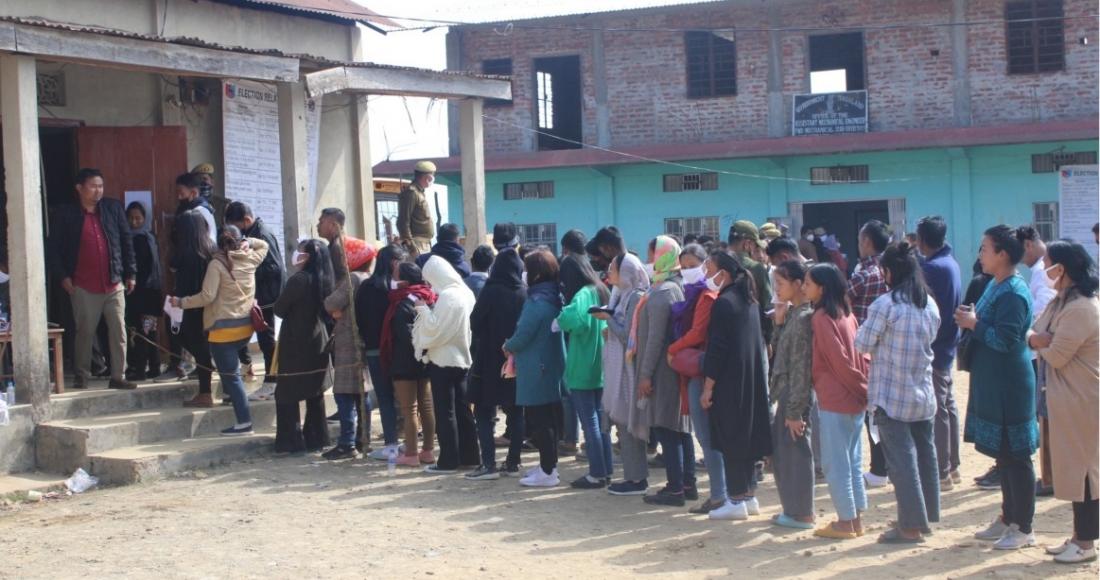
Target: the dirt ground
pixel 305 518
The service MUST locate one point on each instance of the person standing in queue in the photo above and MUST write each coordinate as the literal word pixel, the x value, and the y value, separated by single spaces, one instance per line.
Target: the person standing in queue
pixel 415 225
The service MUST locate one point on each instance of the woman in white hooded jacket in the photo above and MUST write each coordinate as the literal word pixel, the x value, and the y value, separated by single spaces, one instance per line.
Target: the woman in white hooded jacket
pixel 441 336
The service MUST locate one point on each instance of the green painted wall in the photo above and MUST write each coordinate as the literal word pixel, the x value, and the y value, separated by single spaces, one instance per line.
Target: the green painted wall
pixel 973 188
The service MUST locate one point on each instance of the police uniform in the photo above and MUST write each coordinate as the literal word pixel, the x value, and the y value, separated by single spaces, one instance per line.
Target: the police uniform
pixel 414 217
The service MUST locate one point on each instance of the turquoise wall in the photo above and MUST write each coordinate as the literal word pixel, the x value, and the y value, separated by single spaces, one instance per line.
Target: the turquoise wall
pixel 973 188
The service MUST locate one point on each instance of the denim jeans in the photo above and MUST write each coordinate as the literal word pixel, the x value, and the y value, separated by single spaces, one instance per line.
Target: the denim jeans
pixel 570 431
pixel 911 459
pixel 387 404
pixel 842 460
pixel 679 453
pixel 347 411
pixel 588 404
pixel 700 420
pixel 229 369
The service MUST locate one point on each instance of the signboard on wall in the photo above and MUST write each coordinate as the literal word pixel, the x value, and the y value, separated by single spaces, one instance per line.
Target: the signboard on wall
pixel 829 113
pixel 250 142
pixel 1078 204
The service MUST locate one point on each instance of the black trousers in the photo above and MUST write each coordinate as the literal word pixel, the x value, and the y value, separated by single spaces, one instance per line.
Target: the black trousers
pixel 267 345
pixel 543 422
pixel 143 359
pixel 1086 517
pixel 192 336
pixel 1017 489
pixel 454 421
pixel 878 457
pixel 292 436
pixel 740 478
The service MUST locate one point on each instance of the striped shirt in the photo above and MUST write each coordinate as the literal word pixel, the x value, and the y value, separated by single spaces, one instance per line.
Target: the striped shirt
pixel 898 336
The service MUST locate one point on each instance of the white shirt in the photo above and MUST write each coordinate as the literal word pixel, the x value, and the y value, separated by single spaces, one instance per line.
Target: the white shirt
pixel 1041 294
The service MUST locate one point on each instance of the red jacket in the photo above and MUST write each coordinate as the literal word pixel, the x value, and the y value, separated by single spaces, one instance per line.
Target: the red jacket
pixel 700 321
pixel 839 371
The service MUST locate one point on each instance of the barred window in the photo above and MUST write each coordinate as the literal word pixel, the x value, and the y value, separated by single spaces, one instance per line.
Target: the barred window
pixel 1046 220
pixel 1051 162
pixel 699 226
pixel 711 64
pixel 839 174
pixel 691 182
pixel 529 190
pixel 1035 35
pixel 532 235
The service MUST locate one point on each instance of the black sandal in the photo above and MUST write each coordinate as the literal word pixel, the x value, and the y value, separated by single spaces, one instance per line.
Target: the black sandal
pixel 893 536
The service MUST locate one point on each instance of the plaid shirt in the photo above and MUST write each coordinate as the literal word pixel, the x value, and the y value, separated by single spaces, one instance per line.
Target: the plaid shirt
pixel 867 285
pixel 898 336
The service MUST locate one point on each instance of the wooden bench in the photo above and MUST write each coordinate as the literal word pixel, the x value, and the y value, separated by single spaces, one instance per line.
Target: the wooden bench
pixel 55 336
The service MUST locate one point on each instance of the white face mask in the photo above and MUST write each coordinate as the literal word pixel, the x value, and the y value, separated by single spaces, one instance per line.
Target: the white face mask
pixel 395 285
pixel 712 285
pixel 523 277
pixel 809 237
pixel 693 275
pixel 1051 282
pixel 298 258
pixel 649 271
pixel 4 278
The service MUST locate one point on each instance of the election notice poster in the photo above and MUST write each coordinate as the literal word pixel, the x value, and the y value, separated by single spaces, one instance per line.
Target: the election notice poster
pixel 250 127
pixel 1078 204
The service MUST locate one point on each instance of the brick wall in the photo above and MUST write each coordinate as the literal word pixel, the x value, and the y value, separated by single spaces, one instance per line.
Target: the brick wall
pixel 909 71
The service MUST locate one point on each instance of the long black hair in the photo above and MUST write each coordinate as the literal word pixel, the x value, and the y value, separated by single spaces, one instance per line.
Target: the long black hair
pixel 383 266
pixel 742 279
pixel 834 289
pixel 576 273
pixel 907 285
pixel 1077 263
pixel 319 269
pixel 192 236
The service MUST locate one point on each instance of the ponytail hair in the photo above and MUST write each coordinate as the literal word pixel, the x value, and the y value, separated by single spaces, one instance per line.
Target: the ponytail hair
pixel 743 282
pixel 907 285
pixel 229 239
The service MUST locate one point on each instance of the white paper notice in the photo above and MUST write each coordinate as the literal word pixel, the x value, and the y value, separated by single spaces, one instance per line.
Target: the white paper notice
pixel 1078 204
pixel 250 132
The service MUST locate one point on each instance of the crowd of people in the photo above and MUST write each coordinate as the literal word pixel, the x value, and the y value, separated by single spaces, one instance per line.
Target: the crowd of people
pixel 747 349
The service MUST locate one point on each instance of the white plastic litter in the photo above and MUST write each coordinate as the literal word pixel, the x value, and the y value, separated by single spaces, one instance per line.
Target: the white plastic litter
pixel 4 418
pixel 81 482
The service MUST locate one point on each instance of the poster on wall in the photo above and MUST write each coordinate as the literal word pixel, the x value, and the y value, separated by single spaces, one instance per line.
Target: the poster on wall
pixel 1078 204
pixel 250 133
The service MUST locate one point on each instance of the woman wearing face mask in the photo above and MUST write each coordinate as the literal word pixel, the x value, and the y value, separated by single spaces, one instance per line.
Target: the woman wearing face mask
pixel 1065 338
pixel 192 250
pixel 304 372
pixel 690 320
pixel 620 397
pixel 658 384
pixel 398 358
pixel 371 304
pixel 735 390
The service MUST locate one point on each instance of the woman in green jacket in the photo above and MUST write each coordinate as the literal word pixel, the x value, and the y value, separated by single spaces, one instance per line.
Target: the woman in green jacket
pixel 582 290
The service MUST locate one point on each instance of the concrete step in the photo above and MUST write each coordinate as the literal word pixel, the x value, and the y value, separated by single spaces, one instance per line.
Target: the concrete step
pixel 62 446
pixel 141 463
pixel 98 400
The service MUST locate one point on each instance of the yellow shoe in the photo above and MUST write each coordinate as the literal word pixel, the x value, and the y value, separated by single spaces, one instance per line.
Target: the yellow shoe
pixel 828 531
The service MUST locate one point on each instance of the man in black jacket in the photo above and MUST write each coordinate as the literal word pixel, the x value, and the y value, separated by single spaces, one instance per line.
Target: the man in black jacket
pixel 270 279
pixel 92 254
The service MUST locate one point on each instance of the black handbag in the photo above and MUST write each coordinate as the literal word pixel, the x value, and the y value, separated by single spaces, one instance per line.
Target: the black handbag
pixel 965 352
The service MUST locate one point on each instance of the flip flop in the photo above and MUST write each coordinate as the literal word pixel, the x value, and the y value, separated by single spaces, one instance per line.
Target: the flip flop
pixel 893 536
pixel 833 534
pixel 787 521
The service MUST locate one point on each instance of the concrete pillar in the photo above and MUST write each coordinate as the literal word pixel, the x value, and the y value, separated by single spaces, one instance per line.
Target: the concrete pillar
pixel 777 104
pixel 599 79
pixel 364 197
pixel 960 65
pixel 472 141
pixel 294 161
pixel 960 222
pixel 22 170
pixel 454 63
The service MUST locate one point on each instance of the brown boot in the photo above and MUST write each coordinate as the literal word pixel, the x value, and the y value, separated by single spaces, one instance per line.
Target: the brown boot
pixel 203 400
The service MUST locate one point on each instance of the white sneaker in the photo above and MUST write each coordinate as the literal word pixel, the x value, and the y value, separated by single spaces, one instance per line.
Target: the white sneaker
pixel 530 472
pixel 1074 554
pixel 1014 539
pixel 752 505
pixel 541 479
pixel 383 453
pixel 993 532
pixel 731 510
pixel 872 480
pixel 265 392
pixel 1055 550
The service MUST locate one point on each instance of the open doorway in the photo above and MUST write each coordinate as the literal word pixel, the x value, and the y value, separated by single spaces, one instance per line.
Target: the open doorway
pixel 844 219
pixel 558 102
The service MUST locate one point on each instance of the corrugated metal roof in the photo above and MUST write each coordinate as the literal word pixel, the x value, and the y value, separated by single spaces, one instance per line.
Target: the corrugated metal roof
pixel 664 7
pixel 346 10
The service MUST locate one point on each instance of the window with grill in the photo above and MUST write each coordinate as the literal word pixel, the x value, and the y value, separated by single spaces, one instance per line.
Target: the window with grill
pixel 529 190
pixel 500 67
pixel 533 235
pixel 699 226
pixel 1051 162
pixel 1035 35
pixel 839 174
pixel 711 64
pixel 691 182
pixel 1046 220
